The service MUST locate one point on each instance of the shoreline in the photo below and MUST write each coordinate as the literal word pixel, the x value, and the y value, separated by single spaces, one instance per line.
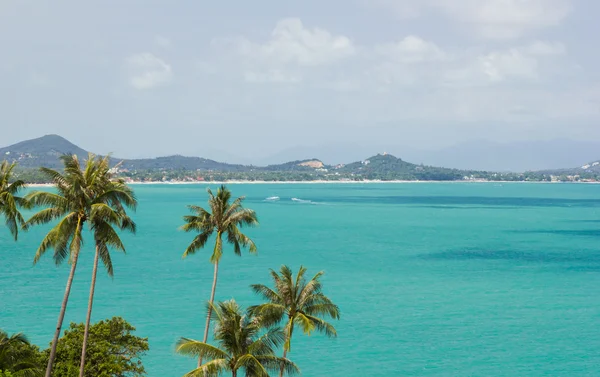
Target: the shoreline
pixel 316 182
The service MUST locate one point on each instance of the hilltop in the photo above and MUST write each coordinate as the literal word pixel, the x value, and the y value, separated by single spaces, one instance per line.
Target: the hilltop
pixel 43 151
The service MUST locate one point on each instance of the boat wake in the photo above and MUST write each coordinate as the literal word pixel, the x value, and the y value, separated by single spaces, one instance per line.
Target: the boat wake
pixel 272 199
pixel 304 201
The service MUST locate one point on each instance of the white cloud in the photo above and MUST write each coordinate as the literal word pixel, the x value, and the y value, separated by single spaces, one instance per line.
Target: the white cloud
pixel 494 19
pixel 498 66
pixel 148 71
pixel 161 41
pixel 292 43
pixel 414 61
pixel 411 49
pixel 518 63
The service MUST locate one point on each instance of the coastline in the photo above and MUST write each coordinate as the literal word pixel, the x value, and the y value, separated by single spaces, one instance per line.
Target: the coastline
pixel 316 182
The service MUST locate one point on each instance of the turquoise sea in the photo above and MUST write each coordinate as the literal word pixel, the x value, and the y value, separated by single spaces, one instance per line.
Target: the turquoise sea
pixel 433 279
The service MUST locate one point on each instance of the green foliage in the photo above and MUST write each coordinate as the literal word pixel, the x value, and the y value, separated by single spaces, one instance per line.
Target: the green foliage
pixel 225 218
pixel 9 199
pixel 18 358
pixel 90 195
pixel 43 151
pixel 112 351
pixel 296 302
pixel 242 344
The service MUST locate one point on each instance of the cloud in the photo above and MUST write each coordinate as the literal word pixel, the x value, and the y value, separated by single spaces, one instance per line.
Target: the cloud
pixel 411 49
pixel 148 71
pixel 415 61
pixel 493 19
pixel 519 63
pixel 292 43
pixel 498 66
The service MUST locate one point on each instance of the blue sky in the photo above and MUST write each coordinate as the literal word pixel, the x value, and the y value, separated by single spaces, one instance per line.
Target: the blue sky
pixel 242 80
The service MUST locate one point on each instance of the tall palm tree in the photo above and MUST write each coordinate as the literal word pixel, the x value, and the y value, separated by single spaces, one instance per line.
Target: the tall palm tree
pixel 17 357
pixel 224 219
pixel 9 201
pixel 240 345
pixel 297 302
pixel 82 196
pixel 107 212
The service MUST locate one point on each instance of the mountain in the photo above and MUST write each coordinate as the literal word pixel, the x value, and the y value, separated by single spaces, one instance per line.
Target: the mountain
pixel 298 165
pixel 43 151
pixel 587 169
pixel 335 153
pixel 178 163
pixel 388 167
pixel 46 150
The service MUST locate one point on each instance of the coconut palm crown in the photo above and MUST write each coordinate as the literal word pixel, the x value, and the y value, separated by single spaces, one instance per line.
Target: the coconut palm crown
pixel 9 199
pixel 296 302
pixel 17 356
pixel 243 346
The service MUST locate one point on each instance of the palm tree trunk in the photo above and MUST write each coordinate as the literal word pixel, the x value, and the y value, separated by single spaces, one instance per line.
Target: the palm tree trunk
pixel 61 316
pixel 282 364
pixel 212 299
pixel 89 314
pixel 234 373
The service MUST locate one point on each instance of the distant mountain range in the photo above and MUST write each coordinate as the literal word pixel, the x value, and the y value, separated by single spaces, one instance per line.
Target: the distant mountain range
pixel 485 155
pixel 46 150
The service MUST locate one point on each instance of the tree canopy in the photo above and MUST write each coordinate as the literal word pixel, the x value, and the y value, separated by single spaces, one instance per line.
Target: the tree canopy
pixel 113 350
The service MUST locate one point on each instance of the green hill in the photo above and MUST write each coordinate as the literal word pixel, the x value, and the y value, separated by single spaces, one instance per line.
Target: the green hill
pixel 388 167
pixel 43 151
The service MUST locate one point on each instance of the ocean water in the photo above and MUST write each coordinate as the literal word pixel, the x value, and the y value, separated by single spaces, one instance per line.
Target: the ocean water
pixel 432 279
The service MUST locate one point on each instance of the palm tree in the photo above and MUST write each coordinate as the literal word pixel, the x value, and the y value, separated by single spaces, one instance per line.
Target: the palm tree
pixel 17 356
pixel 240 345
pixel 225 218
pixel 106 212
pixel 9 202
pixel 298 303
pixel 82 195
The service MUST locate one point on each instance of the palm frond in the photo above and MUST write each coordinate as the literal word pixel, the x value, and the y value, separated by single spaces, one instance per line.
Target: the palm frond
pixel 44 216
pixel 104 255
pixel 242 217
pixel 274 363
pixel 213 368
pixel 198 243
pixel 323 309
pixel 250 362
pixel 58 239
pixel 321 325
pixel 267 293
pixel 305 323
pixel 267 343
pixel 218 250
pixel 191 347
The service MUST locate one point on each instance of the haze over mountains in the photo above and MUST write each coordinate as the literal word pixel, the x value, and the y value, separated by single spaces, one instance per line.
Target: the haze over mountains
pixel 490 156
pixel 472 155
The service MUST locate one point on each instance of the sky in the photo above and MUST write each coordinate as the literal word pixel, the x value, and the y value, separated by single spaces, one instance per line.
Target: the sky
pixel 242 80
